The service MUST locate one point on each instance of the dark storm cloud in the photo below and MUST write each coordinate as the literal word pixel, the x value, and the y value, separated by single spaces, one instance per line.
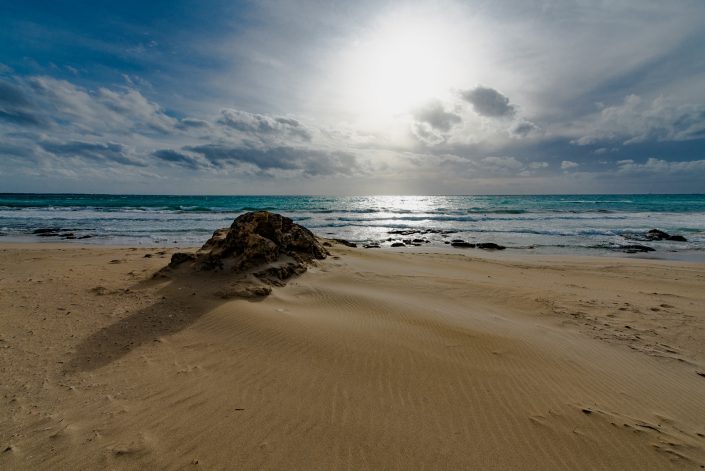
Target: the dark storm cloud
pixel 16 108
pixel 261 124
pixel 95 151
pixel 309 162
pixel 488 102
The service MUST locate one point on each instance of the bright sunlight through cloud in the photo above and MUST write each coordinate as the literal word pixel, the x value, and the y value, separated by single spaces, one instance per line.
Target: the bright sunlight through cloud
pixel 402 63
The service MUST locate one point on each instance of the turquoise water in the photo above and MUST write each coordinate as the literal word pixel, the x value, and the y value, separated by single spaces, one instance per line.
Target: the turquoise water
pixel 545 223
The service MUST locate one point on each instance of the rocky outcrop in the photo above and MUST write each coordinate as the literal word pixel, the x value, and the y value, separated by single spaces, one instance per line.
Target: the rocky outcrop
pixel 58 232
pixel 258 245
pixel 490 246
pixel 654 235
pixel 461 244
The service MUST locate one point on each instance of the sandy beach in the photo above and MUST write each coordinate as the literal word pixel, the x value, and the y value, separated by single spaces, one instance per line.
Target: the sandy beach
pixel 373 359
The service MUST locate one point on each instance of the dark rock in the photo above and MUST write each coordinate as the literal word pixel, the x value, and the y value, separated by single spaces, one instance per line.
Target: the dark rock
pixel 371 246
pixel 461 244
pixel 70 236
pixel 261 246
pixel 419 241
pixel 346 243
pixel 454 241
pixel 180 257
pixel 677 238
pixel 408 232
pixel 403 232
pixel 655 234
pixel 407 241
pixel 46 230
pixel 634 248
pixel 490 246
pixel 262 237
pixel 398 244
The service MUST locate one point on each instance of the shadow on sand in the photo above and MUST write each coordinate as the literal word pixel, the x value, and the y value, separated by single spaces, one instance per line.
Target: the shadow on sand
pixel 182 302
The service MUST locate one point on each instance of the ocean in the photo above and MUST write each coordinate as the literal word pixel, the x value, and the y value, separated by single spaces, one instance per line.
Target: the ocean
pixel 561 224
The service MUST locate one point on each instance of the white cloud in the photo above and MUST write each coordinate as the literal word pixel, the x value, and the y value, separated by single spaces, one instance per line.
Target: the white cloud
pixel 637 120
pixel 567 164
pixel 662 167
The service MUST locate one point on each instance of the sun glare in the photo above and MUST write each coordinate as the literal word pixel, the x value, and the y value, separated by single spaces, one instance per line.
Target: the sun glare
pixel 399 66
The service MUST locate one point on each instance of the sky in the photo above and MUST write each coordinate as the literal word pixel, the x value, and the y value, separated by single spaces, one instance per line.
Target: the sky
pixel 352 98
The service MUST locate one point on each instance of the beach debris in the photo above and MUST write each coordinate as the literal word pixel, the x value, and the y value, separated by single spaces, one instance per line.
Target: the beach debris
pixel 265 248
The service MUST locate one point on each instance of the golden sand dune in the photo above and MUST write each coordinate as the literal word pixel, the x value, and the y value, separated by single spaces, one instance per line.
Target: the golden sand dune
pixel 370 360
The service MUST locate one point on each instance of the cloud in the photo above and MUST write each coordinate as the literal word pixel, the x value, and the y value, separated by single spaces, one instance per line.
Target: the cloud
pixel 432 123
pixel 93 151
pixel 188 123
pixel 488 102
pixel 178 158
pixel 502 164
pixel 662 167
pixel 523 128
pixel 436 116
pixel 263 125
pixel 567 165
pixel 306 162
pixel 636 120
pixel 16 108
pixel 104 110
pixel 538 165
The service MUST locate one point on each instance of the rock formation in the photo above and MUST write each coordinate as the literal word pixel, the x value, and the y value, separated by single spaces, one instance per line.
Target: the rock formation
pixel 258 245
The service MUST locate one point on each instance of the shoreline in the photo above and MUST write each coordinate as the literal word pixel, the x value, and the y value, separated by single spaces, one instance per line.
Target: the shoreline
pixel 685 256
pixel 373 359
